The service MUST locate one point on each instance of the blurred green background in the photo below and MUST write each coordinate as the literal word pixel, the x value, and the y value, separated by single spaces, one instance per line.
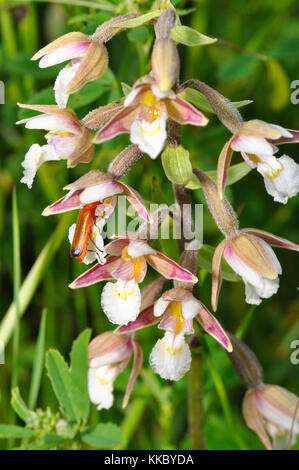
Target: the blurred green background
pixel 257 58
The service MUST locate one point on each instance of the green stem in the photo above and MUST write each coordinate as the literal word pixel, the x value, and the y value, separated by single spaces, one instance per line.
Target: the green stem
pixel 195 398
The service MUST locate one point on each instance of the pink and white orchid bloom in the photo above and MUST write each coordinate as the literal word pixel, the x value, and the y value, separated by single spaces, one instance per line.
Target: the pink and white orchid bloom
pixel 108 355
pixel 272 411
pixel 256 141
pixel 250 255
pixel 97 186
pixel 176 309
pixel 144 115
pixel 97 190
pixel 127 264
pixel 89 61
pixel 67 139
pixel 247 251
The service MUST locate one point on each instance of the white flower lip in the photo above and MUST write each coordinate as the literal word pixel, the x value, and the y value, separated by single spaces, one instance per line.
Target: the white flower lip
pixel 149 136
pixel 171 357
pixel 121 301
pixel 34 158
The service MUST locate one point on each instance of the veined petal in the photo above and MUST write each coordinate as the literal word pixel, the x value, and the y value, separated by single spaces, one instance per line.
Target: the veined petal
pixel 96 273
pixel 223 166
pixel 124 271
pixel 213 327
pixel 184 113
pixel 120 123
pixel 121 301
pixel 70 51
pixel 278 406
pixel 50 122
pixel 151 292
pixel 109 348
pixel 272 239
pixel 259 128
pixel 169 268
pixel 137 364
pixel 254 419
pixel 136 200
pixel 115 247
pixel 288 140
pixel 144 319
pixel 64 204
pixel 252 253
pixel 216 274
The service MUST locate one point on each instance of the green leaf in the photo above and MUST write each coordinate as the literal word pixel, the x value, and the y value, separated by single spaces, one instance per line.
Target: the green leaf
pixel 200 101
pixel 138 34
pixel 11 431
pixel 79 369
pixel 139 21
pixel 86 95
pixel 239 67
pixel 176 164
pixel 105 435
pixel 205 256
pixel 20 64
pixel 280 87
pixel 38 362
pixel 190 37
pixel 235 173
pixel 19 405
pixel 61 381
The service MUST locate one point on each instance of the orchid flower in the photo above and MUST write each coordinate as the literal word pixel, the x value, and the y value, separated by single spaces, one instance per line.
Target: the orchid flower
pixel 176 309
pixel 127 264
pixel 67 139
pixel 88 62
pixel 95 195
pixel 272 411
pixel 247 251
pixel 108 355
pixel 256 141
pixel 144 115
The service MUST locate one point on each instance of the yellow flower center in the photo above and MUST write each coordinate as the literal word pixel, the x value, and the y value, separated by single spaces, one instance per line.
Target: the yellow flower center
pixel 61 133
pixel 273 174
pixel 176 311
pixel 137 262
pixel 149 100
pixel 103 381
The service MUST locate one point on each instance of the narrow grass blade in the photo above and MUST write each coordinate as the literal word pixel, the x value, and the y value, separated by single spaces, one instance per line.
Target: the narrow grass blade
pixel 16 287
pixel 38 362
pixel 33 278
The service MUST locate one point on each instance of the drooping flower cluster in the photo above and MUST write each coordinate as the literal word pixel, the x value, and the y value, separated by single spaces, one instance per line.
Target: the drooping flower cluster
pixel 152 104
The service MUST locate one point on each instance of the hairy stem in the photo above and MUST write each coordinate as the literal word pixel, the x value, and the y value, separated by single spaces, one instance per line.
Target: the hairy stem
pixel 189 260
pixel 195 397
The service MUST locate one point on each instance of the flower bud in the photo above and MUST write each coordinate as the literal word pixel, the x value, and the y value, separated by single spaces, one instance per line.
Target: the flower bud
pixel 165 64
pixel 221 210
pixel 272 411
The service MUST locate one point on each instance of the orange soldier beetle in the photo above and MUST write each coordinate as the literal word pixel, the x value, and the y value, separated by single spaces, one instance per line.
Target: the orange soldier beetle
pixel 83 229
